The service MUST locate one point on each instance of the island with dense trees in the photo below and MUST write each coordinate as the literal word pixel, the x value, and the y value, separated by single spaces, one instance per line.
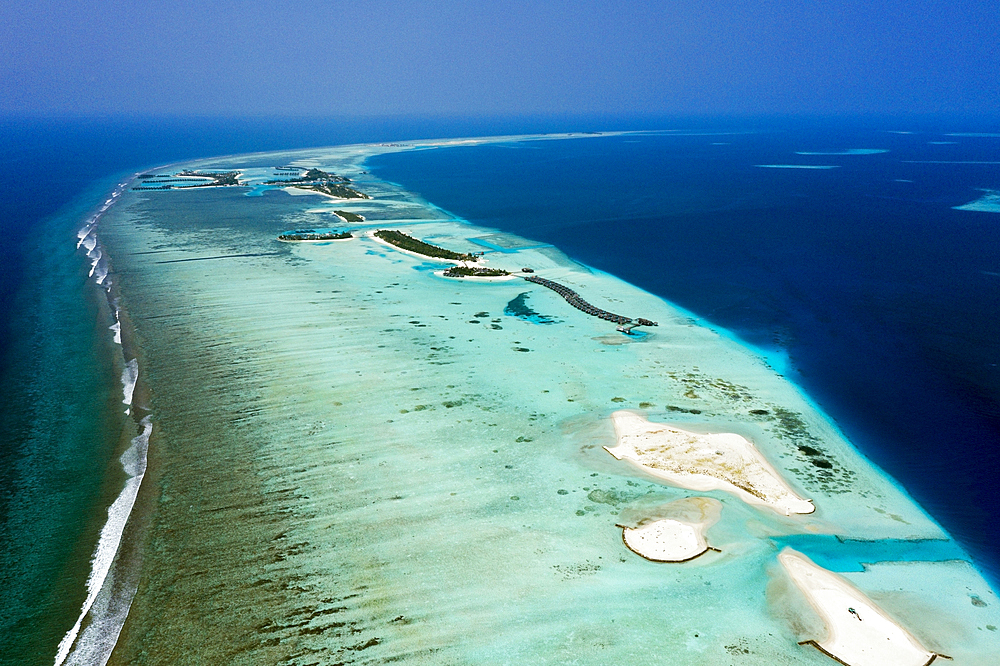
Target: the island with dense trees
pixel 411 244
pixel 349 217
pixel 474 271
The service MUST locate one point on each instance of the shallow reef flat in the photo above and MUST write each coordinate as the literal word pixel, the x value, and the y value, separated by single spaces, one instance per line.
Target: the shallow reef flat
pixel 357 460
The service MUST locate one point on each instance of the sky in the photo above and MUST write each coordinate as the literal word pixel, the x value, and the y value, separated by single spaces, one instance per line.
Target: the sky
pixel 467 57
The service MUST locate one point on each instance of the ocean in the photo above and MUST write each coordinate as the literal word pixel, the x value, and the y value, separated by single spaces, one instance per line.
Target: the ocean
pixel 863 282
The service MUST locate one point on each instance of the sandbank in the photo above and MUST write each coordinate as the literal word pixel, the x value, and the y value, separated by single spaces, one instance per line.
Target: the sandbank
pixel 989 202
pixel 676 533
pixel 720 461
pixel 859 632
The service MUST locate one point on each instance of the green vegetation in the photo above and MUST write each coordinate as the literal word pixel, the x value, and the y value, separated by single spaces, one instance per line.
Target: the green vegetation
pixel 226 178
pixel 350 217
pixel 404 242
pixel 334 190
pixel 312 176
pixel 318 180
pixel 465 271
pixel 222 179
pixel 311 236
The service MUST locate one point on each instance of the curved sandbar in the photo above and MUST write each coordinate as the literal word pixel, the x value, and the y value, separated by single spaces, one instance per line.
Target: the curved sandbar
pixel 859 632
pixel 722 461
pixel 678 534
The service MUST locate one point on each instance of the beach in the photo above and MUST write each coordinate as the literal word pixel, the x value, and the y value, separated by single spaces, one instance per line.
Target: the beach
pixel 718 461
pixel 859 633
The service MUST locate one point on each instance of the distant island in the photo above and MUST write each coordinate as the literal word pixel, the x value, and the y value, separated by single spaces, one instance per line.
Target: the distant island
pixel 310 235
pixel 474 271
pixel 320 181
pixel 220 179
pixel 411 244
pixel 349 217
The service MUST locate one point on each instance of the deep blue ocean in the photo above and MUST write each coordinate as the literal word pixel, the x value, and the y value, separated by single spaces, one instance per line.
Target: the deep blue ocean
pixel 884 298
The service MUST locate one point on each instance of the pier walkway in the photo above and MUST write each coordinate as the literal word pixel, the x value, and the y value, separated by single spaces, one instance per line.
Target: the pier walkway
pixel 626 324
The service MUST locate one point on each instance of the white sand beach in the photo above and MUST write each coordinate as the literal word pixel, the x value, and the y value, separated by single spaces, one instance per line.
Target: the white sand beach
pixel 721 461
pixel 676 533
pixel 859 633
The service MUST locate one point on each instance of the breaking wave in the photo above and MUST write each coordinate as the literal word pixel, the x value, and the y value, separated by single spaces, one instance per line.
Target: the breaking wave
pixel 93 637
pixel 94 646
pixel 130 375
pixel 796 166
pixel 849 151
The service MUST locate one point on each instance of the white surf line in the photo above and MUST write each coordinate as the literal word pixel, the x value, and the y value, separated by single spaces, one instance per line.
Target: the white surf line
pixel 797 166
pixel 94 646
pixel 91 649
pixel 849 151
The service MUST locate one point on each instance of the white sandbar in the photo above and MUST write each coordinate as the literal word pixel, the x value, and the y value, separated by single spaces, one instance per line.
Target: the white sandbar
pixel 721 461
pixel 864 637
pixel 673 532
pixel 666 540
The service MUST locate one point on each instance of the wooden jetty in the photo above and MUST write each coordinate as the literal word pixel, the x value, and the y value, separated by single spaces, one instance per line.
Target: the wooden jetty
pixel 625 324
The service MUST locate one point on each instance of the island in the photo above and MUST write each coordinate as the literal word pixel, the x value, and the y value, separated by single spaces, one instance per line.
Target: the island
pixel 720 461
pixel 317 180
pixel 348 216
pixel 215 179
pixel 411 244
pixel 310 235
pixel 474 271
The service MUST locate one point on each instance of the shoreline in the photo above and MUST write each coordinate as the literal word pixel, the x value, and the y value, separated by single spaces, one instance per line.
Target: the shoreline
pixel 720 461
pixel 859 633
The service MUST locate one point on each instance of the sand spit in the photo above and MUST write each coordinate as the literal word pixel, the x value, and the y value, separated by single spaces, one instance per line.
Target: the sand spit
pixel 859 632
pixel 676 533
pixel 721 461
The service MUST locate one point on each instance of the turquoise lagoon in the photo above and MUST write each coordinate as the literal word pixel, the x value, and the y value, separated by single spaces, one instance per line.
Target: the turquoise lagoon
pixel 356 460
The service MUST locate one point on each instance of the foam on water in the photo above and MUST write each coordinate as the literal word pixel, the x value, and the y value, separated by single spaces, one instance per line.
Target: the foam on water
pixel 796 166
pixel 130 374
pixel 849 151
pixel 106 605
pixel 95 644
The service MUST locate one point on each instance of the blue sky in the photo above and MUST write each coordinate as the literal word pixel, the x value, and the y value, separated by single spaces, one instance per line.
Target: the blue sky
pixel 474 58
